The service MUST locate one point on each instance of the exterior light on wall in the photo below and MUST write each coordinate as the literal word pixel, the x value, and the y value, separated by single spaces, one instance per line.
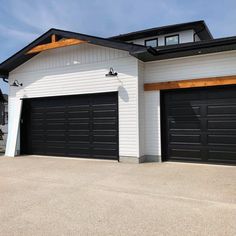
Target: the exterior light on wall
pixel 16 84
pixel 111 73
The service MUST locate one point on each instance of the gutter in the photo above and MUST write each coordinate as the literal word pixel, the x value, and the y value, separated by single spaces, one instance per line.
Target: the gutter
pixel 197 45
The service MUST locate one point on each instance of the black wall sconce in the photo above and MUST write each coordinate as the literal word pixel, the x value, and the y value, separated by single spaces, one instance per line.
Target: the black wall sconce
pixel 16 84
pixel 111 73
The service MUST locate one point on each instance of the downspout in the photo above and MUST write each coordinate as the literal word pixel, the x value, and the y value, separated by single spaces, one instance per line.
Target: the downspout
pixel 5 79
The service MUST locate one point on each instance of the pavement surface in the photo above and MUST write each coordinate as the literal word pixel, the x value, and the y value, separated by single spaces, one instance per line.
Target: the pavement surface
pixel 59 196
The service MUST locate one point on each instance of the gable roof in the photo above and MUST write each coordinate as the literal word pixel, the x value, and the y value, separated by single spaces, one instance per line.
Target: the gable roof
pixel 20 57
pixel 199 27
pixel 141 52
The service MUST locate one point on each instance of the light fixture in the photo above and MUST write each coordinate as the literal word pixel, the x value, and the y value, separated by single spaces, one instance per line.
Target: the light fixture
pixel 111 73
pixel 16 84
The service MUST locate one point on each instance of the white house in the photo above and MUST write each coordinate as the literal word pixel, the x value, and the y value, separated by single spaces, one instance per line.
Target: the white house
pixel 159 94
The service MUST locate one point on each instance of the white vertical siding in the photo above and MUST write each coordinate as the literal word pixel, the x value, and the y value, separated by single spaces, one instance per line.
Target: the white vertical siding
pixel 141 106
pixel 69 57
pixel 13 128
pixel 81 69
pixel 217 64
pixel 152 123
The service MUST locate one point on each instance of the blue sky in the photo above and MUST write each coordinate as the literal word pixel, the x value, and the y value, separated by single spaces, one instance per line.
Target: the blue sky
pixel 21 21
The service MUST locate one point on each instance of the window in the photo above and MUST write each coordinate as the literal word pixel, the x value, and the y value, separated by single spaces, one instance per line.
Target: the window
pixel 151 43
pixel 172 40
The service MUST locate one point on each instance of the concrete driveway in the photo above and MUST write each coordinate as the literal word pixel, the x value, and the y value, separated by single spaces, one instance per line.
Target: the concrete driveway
pixel 52 196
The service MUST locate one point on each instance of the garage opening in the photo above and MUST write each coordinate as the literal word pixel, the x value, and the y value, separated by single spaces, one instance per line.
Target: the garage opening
pixel 199 125
pixel 71 126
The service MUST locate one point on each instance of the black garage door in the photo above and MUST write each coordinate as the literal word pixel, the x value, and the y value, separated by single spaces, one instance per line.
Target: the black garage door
pixel 74 126
pixel 199 125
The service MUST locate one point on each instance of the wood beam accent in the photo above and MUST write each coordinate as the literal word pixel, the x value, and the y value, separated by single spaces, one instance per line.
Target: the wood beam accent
pixel 53 38
pixel 55 44
pixel 193 83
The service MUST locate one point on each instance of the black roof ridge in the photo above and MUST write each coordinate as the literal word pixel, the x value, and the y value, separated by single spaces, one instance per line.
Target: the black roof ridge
pixel 156 28
pixel 117 37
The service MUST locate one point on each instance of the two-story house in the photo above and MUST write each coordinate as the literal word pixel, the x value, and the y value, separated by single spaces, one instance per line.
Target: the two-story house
pixel 159 94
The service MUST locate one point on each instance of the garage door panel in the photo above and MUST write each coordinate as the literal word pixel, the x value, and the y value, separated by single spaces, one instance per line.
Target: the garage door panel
pixel 77 139
pixel 220 93
pixel 111 106
pixel 55 126
pixel 55 115
pixel 209 135
pixel 37 116
pixel 76 153
pixel 222 139
pixel 184 111
pixel 219 155
pixel 37 141
pixel 78 126
pixel 219 125
pixel 185 96
pixel 104 113
pixel 106 153
pixel 78 114
pixel 186 154
pixel 184 124
pixel 184 139
pixel 105 138
pixel 105 125
pixel 105 133
pixel 55 138
pixel 221 110
pixel 38 126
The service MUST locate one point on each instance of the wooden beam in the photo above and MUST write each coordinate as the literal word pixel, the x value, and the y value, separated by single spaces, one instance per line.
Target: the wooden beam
pixel 53 38
pixel 202 82
pixel 56 44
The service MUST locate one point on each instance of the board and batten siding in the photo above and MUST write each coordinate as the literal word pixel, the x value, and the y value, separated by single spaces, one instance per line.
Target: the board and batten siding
pixel 78 70
pixel 194 67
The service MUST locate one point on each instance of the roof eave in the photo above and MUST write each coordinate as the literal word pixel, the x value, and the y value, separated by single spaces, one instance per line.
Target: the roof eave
pixel 186 51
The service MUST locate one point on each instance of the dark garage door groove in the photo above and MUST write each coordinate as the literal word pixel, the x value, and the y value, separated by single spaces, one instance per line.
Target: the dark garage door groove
pixel 73 126
pixel 200 125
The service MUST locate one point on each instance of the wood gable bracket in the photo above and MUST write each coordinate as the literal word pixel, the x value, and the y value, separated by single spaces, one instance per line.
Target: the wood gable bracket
pixel 55 44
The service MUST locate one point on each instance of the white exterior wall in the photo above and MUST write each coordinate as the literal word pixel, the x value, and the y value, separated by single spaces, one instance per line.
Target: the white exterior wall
pixel 185 36
pixel 80 69
pixel 211 65
pixel 141 106
pixel 152 123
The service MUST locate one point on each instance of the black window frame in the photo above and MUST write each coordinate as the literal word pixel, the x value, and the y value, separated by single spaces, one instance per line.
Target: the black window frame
pixel 151 40
pixel 169 36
